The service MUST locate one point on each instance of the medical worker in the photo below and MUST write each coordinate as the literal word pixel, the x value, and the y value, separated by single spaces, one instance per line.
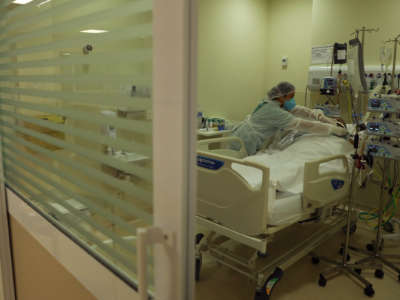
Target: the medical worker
pixel 278 112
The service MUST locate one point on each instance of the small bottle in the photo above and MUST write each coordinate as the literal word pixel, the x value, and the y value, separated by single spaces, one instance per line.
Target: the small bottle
pixel 199 119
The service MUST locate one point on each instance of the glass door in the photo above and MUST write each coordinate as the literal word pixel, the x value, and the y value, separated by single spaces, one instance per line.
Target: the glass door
pixel 96 131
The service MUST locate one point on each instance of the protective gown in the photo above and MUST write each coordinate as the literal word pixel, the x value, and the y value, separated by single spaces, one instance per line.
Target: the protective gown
pixel 268 118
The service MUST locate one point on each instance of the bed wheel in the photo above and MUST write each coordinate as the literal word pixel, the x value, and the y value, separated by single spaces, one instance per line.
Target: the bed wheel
pixel 261 255
pixel 358 271
pixel 261 295
pixel 322 280
pixel 370 247
pixel 315 260
pixel 265 292
pixel 199 262
pixel 379 273
pixel 369 291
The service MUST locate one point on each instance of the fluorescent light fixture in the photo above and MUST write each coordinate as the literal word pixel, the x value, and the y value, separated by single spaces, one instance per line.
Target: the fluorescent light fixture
pixel 22 1
pixel 42 3
pixel 94 31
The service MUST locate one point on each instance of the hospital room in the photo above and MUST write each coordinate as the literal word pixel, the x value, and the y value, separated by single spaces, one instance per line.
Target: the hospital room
pixel 199 149
pixel 297 160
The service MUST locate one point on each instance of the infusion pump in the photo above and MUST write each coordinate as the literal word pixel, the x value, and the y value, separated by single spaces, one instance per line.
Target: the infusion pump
pixel 318 76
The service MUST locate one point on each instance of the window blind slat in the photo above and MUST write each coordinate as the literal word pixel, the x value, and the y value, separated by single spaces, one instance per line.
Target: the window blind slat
pixel 62 220
pixel 77 79
pixel 140 172
pixel 138 56
pixel 42 15
pixel 119 11
pixel 38 178
pixel 107 198
pixel 76 127
pixel 142 195
pixel 107 99
pixel 131 125
pixel 138 31
pixel 90 136
pixel 5 3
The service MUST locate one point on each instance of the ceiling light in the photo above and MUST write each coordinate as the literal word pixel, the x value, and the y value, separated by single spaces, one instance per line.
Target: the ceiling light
pixel 22 1
pixel 94 31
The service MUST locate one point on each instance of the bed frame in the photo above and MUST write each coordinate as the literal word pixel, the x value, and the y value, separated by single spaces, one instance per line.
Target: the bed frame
pixel 232 211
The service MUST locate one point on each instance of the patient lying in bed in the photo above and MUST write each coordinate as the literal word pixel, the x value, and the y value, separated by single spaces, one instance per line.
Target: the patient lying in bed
pixel 287 165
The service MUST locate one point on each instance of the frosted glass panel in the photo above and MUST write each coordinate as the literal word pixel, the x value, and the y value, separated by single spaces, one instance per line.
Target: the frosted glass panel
pixel 76 118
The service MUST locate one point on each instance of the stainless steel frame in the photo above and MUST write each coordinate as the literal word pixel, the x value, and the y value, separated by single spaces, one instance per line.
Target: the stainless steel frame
pixel 253 265
pixel 377 259
pixel 343 267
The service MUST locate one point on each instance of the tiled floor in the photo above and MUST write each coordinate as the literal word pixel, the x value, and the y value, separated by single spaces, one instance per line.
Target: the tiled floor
pixel 300 280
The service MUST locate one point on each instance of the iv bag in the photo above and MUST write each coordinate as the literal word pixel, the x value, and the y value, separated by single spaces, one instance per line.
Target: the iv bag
pixel 385 55
pixel 355 65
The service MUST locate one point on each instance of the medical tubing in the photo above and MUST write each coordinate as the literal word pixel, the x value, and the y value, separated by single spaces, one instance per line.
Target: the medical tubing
pixel 389 210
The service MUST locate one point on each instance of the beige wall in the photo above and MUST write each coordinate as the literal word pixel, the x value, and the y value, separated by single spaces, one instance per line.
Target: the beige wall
pixel 1 287
pixel 335 20
pixel 232 56
pixel 38 275
pixel 243 41
pixel 289 34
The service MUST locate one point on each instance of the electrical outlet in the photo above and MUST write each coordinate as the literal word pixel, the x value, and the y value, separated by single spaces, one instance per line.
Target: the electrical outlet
pixel 284 62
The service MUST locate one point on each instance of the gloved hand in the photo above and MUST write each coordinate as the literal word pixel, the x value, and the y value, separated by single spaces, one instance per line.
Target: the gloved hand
pixel 318 114
pixel 339 131
pixel 340 124
pixel 325 119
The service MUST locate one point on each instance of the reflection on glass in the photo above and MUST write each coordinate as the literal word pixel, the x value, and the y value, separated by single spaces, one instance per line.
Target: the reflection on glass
pixel 75 108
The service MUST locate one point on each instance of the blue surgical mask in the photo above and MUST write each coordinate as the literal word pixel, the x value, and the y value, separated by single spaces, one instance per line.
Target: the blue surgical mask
pixel 290 104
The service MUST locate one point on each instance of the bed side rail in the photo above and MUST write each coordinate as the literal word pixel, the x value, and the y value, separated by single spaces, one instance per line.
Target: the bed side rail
pixel 226 163
pixel 226 198
pixel 227 146
pixel 322 189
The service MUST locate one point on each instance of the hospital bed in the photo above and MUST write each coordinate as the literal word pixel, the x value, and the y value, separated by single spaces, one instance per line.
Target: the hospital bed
pixel 241 203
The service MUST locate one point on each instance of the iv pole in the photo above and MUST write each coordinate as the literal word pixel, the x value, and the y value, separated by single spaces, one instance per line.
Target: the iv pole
pixel 343 267
pixel 395 41
pixel 363 30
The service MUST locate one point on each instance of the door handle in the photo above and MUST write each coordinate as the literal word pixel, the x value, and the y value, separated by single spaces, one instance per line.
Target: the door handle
pixel 145 237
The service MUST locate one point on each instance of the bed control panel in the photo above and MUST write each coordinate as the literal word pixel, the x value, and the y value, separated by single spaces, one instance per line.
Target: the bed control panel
pixel 209 163
pixel 383 129
pixel 383 105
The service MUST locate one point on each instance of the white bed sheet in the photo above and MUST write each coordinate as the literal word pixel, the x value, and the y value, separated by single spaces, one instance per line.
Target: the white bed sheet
pixel 287 208
pixel 287 166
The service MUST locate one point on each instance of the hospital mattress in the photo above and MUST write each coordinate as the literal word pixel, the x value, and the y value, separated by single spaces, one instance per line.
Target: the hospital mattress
pixel 285 208
pixel 287 172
